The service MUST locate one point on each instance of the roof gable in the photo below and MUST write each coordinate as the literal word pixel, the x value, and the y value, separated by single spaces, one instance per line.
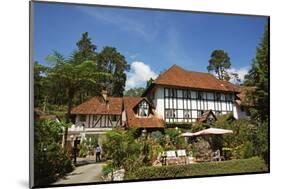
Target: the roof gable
pixel 97 105
pixel 206 115
pixel 152 121
pixel 178 77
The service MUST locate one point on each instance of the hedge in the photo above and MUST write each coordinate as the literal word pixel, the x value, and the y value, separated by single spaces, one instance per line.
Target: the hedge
pixel 251 165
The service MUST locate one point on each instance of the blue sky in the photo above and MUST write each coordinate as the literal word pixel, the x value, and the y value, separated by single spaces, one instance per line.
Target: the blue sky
pixel 150 40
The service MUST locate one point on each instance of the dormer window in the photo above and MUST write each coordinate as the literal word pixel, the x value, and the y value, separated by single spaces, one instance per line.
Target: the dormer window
pixel 143 109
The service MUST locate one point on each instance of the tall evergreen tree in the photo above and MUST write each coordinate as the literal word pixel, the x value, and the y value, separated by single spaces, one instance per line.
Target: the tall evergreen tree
pixel 258 77
pixel 113 62
pixel 85 47
pixel 219 63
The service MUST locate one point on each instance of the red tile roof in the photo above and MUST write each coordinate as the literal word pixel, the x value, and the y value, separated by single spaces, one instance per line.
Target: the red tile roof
pixel 97 105
pixel 153 121
pixel 178 77
pixel 205 116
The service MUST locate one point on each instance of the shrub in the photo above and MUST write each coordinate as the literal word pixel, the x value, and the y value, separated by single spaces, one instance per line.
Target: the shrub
pixel 50 159
pixel 123 149
pixel 252 165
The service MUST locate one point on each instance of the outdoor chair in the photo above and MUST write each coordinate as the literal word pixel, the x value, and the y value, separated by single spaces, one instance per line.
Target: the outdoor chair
pixel 216 156
pixel 171 157
pixel 182 157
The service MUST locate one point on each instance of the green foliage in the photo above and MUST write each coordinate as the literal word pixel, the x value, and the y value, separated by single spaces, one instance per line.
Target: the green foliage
pixel 149 82
pixel 50 159
pixel 258 76
pixel 87 146
pixel 248 139
pixel 123 149
pixel 219 63
pixel 158 137
pixel 252 165
pixel 248 150
pixel 173 139
pixel 113 62
pixel 68 81
pixel 137 91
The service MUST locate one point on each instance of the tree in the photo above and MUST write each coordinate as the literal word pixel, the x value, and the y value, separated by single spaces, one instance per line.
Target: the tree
pixel 149 82
pixel 219 63
pixel 39 72
pixel 50 159
pixel 258 77
pixel 71 76
pixel 111 61
pixel 85 47
pixel 137 91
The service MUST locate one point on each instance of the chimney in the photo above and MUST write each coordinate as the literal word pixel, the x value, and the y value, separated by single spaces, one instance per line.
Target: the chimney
pixel 104 95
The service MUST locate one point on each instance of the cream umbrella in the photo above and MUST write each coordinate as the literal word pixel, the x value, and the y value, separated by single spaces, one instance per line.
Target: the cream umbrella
pixel 213 131
pixel 187 134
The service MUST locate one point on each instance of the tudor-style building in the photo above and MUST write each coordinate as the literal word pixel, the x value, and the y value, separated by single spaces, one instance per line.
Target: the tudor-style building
pixel 182 96
pixel 177 96
pixel 100 114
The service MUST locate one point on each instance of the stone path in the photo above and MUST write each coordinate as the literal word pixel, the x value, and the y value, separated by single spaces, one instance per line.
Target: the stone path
pixel 83 174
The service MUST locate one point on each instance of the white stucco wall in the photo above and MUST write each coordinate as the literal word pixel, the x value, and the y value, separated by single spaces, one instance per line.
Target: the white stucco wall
pixel 238 113
pixel 207 104
pixel 159 101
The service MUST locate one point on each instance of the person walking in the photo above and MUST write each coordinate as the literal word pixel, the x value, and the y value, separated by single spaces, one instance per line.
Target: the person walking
pixel 98 153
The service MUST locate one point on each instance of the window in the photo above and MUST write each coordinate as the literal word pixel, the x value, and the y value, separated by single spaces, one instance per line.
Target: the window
pixel 200 113
pixel 186 114
pixel 172 93
pixel 170 113
pixel 186 94
pixel 114 118
pixel 94 117
pixel 143 109
pixel 228 97
pixel 218 96
pixel 82 118
pixel 200 95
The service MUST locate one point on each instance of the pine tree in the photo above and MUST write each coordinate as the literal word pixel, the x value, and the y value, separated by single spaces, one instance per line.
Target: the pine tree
pixel 258 76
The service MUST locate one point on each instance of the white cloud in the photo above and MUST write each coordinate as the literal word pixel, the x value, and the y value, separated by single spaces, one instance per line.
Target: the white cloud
pixel 139 74
pixel 241 73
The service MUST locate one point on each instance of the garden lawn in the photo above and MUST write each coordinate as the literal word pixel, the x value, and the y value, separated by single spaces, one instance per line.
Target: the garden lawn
pixel 251 165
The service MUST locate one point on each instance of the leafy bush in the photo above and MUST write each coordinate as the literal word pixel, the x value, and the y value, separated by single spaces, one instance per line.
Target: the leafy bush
pixel 173 140
pixel 87 146
pixel 249 138
pixel 50 159
pixel 123 149
pixel 158 137
pixel 252 165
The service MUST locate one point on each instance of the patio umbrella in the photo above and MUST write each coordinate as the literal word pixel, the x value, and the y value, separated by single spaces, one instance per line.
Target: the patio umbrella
pixel 213 131
pixel 187 134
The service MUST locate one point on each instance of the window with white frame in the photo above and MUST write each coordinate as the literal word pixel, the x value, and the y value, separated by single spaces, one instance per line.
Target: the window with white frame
pixel 143 109
pixel 170 113
pixel 200 95
pixel 186 94
pixel 113 117
pixel 82 118
pixel 218 96
pixel 186 113
pixel 228 97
